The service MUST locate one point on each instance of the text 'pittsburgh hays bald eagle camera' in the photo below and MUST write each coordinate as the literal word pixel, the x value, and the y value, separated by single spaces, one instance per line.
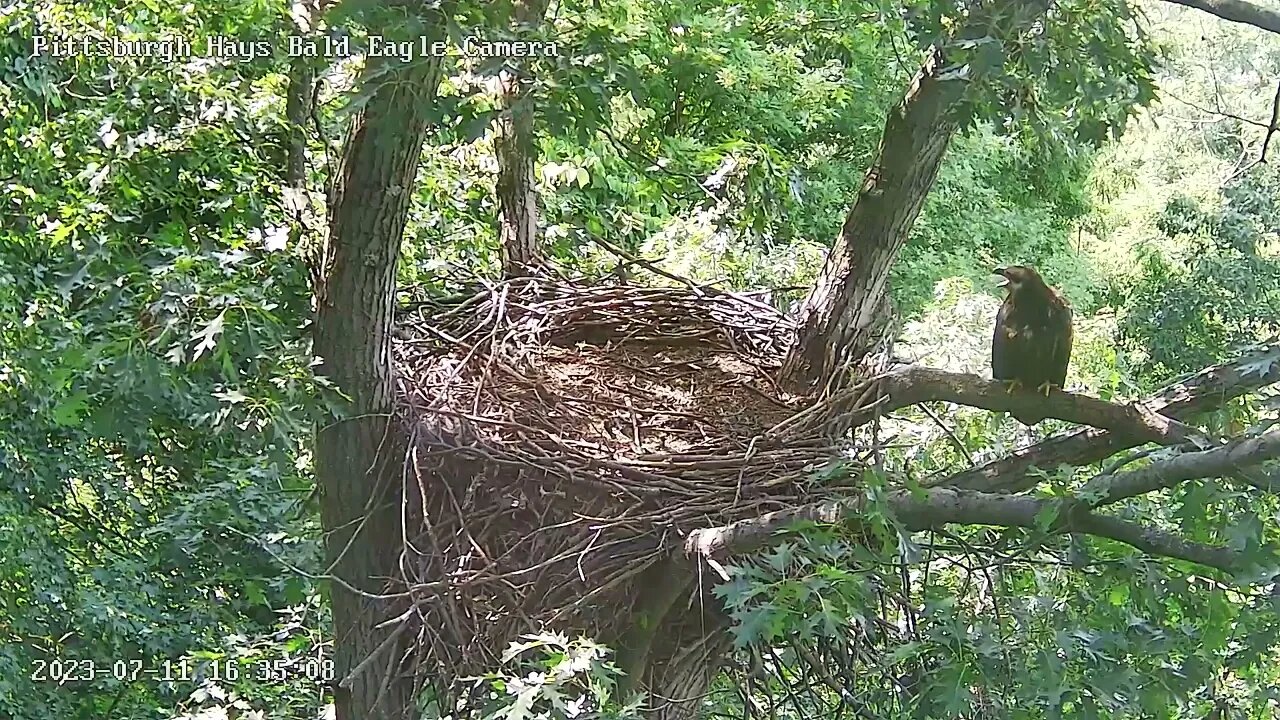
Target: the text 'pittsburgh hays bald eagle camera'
pixel 1031 347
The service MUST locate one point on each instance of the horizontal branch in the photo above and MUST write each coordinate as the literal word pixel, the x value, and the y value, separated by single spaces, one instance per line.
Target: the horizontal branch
pixel 1237 11
pixel 1218 462
pixel 916 384
pixel 1265 479
pixel 936 507
pixel 1209 389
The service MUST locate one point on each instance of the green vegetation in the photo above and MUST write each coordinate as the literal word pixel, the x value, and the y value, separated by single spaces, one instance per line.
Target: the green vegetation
pixel 159 522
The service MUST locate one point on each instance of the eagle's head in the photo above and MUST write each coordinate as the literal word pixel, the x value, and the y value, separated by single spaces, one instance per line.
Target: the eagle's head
pixel 1019 277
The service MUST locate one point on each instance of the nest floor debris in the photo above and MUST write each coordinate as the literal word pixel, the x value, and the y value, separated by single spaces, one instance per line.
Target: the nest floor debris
pixel 565 437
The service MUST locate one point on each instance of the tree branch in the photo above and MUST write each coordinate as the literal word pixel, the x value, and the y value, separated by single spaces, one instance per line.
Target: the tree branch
pixel 1218 462
pixel 1266 140
pixel 936 507
pixel 1208 389
pixel 1237 11
pixel 1266 479
pixel 916 384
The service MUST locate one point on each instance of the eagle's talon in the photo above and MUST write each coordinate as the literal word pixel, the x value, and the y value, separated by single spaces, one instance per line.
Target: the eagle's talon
pixel 1013 386
pixel 1045 389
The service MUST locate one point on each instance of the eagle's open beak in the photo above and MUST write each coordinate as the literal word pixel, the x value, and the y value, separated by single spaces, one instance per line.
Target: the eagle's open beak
pixel 1004 278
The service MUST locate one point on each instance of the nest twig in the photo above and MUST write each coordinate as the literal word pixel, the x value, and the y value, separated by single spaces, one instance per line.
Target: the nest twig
pixel 563 438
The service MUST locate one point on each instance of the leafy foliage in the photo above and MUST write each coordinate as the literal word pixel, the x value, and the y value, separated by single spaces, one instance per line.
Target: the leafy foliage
pixel 155 366
pixel 550 677
pixel 1207 283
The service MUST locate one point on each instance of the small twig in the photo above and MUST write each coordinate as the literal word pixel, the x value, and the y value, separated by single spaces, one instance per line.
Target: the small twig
pixel 1271 128
pixel 951 435
pixel 1128 459
pixel 651 267
pixel 1219 112
pixel 382 647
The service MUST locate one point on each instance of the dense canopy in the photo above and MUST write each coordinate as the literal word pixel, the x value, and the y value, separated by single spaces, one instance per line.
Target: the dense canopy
pixel 628 359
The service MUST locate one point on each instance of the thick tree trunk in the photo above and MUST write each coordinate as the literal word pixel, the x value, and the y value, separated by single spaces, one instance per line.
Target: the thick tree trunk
pixel 842 317
pixel 369 202
pixel 517 184
pixel 681 677
pixel 517 192
pixel 839 318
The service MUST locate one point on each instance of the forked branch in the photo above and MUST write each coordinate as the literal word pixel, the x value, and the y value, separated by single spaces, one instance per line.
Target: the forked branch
pixel 937 507
pixel 1123 426
pixel 1208 389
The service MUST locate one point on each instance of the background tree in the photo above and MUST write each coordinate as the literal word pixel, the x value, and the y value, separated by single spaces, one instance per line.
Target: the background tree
pixel 518 236
pixel 155 363
pixel 155 378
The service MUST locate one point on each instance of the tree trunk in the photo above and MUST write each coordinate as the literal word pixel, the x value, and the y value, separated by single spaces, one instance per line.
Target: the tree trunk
pixel 369 201
pixel 298 111
pixel 681 679
pixel 842 317
pixel 675 643
pixel 517 185
pixel 839 318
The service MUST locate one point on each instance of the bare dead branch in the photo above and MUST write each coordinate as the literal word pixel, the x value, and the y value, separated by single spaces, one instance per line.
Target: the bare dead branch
pixel 950 433
pixel 1266 140
pixel 1217 110
pixel 1275 125
pixel 1218 462
pixel 1237 11
pixel 1206 390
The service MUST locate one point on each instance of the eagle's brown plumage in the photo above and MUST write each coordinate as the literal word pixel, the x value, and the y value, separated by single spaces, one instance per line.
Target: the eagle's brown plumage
pixel 1032 341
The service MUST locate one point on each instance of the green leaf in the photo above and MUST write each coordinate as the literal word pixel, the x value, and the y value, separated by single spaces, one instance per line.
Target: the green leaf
pixel 69 410
pixel 208 337
pixel 1047 516
pixel 475 127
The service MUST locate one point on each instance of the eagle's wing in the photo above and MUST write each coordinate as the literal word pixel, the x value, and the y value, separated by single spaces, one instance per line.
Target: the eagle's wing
pixel 1059 350
pixel 1003 345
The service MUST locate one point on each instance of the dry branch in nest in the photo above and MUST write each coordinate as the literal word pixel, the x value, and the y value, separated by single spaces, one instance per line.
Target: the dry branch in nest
pixel 565 438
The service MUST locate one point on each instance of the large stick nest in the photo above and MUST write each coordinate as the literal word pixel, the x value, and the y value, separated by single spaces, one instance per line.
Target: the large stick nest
pixel 564 438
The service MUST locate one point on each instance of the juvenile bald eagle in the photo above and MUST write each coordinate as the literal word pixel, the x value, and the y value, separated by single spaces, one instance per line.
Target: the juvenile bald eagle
pixel 1031 347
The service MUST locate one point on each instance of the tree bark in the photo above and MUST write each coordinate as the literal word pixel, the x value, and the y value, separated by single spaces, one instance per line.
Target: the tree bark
pixel 937 507
pixel 914 384
pixel 517 185
pixel 837 320
pixel 842 318
pixel 298 111
pixel 1237 11
pixel 694 651
pixel 675 644
pixel 369 202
